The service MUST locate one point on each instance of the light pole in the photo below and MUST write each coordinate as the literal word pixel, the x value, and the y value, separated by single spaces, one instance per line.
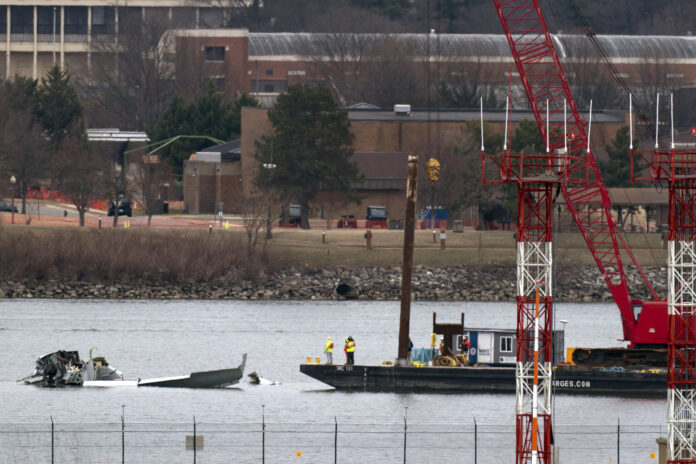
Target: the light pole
pixel 270 167
pixel 196 182
pixel 13 181
pixel 54 35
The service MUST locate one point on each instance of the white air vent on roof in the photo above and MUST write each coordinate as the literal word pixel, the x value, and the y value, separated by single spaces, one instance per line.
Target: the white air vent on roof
pixel 402 110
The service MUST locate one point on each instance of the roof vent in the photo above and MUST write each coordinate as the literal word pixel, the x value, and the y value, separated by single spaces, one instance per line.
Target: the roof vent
pixel 402 110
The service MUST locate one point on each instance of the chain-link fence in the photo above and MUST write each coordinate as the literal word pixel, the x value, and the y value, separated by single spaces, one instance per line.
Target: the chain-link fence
pixel 265 440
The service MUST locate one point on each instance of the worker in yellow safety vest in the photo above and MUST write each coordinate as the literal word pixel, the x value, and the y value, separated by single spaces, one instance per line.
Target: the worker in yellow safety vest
pixel 349 349
pixel 328 351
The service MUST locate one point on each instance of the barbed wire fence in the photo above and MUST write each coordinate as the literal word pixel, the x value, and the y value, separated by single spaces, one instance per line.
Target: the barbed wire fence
pixel 308 440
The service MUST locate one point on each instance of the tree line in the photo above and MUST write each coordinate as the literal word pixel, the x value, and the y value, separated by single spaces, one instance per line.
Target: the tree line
pixel 45 143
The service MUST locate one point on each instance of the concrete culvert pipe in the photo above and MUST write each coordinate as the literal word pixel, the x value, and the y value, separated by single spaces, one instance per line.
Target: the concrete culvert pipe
pixel 346 291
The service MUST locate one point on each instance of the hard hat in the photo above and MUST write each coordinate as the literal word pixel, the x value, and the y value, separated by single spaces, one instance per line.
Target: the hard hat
pixel 329 338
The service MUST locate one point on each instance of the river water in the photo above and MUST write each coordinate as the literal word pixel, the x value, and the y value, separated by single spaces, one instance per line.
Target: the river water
pixel 162 338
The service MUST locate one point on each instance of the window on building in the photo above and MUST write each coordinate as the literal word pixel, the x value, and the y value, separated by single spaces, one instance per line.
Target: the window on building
pixel 22 20
pixel 44 15
pixel 269 72
pixel 130 20
pixel 184 17
pixel 76 20
pixel 211 18
pixel 214 53
pixel 102 20
pixel 269 86
pixel 3 20
pixel 219 82
pixel 506 344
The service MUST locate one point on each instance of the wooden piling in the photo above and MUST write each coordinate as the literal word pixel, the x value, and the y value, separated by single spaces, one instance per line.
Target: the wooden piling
pixel 407 264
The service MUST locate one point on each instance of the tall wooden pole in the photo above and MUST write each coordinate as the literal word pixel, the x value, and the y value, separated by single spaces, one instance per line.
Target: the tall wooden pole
pixel 407 264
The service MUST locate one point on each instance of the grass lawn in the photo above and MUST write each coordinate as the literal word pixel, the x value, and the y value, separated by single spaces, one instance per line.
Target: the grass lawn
pixel 347 248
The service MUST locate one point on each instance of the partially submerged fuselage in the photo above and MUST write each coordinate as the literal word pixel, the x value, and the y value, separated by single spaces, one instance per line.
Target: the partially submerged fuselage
pixel 65 368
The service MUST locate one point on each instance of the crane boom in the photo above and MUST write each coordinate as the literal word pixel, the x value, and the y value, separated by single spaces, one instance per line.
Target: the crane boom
pixel 586 196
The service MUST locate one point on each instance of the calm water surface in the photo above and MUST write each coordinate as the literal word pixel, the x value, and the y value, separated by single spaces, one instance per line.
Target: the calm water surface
pixel 160 338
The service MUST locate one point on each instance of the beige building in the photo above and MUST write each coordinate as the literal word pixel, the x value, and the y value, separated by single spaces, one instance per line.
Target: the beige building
pixel 67 32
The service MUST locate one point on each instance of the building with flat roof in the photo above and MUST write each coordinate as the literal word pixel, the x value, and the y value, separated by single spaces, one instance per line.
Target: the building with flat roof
pixel 35 34
pixel 383 141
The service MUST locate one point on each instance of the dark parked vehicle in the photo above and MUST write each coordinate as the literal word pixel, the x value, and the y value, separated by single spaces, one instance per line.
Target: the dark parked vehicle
pixel 124 207
pixel 7 207
pixel 290 217
pixel 376 217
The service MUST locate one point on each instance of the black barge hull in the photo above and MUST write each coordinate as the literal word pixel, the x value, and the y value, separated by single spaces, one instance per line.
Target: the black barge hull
pixel 567 379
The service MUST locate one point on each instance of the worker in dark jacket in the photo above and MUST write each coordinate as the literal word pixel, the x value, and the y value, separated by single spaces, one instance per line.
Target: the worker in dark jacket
pixel 349 349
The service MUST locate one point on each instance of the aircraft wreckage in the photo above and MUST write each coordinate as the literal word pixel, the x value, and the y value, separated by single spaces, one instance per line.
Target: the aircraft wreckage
pixel 65 368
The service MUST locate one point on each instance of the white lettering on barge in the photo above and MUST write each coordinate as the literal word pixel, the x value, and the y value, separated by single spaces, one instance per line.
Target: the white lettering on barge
pixel 571 383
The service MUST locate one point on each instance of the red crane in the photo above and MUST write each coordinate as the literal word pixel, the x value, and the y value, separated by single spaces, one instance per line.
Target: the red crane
pixel 569 164
pixel 644 323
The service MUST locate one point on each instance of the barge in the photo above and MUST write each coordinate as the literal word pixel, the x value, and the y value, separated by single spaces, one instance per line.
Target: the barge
pixel 483 360
pixel 567 379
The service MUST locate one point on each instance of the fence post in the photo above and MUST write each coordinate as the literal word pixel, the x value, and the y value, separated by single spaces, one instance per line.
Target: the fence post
pixel 475 441
pixel 52 430
pixel 263 434
pixel 405 429
pixel 123 433
pixel 618 441
pixel 194 439
pixel 335 440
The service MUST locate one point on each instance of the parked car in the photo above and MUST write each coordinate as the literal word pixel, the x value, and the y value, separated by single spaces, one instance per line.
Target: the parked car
pixel 7 207
pixel 124 207
pixel 290 217
pixel 376 217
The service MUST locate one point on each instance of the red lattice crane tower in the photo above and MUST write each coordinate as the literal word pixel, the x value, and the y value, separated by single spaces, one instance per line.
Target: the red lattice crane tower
pixel 569 164
pixel 535 176
pixel 678 169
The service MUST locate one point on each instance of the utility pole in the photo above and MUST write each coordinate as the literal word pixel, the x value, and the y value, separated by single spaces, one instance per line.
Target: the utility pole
pixel 407 263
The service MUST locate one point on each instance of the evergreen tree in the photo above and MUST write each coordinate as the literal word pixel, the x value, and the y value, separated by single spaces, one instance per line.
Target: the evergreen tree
pixel 311 148
pixel 527 138
pixel 616 170
pixel 58 107
pixel 22 93
pixel 208 114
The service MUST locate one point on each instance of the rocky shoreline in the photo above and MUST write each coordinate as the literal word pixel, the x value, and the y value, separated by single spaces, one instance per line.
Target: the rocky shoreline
pixel 460 283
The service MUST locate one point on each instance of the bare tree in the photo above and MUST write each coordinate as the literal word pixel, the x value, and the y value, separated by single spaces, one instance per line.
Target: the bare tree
pixel 79 172
pixel 463 82
pixel 134 74
pixel 25 153
pixel 340 60
pixel 460 185
pixel 254 210
pixel 591 79
pixel 150 177
pixel 240 13
pixel 658 76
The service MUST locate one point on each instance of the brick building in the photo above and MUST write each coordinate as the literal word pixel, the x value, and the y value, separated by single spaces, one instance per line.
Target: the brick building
pixel 384 139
